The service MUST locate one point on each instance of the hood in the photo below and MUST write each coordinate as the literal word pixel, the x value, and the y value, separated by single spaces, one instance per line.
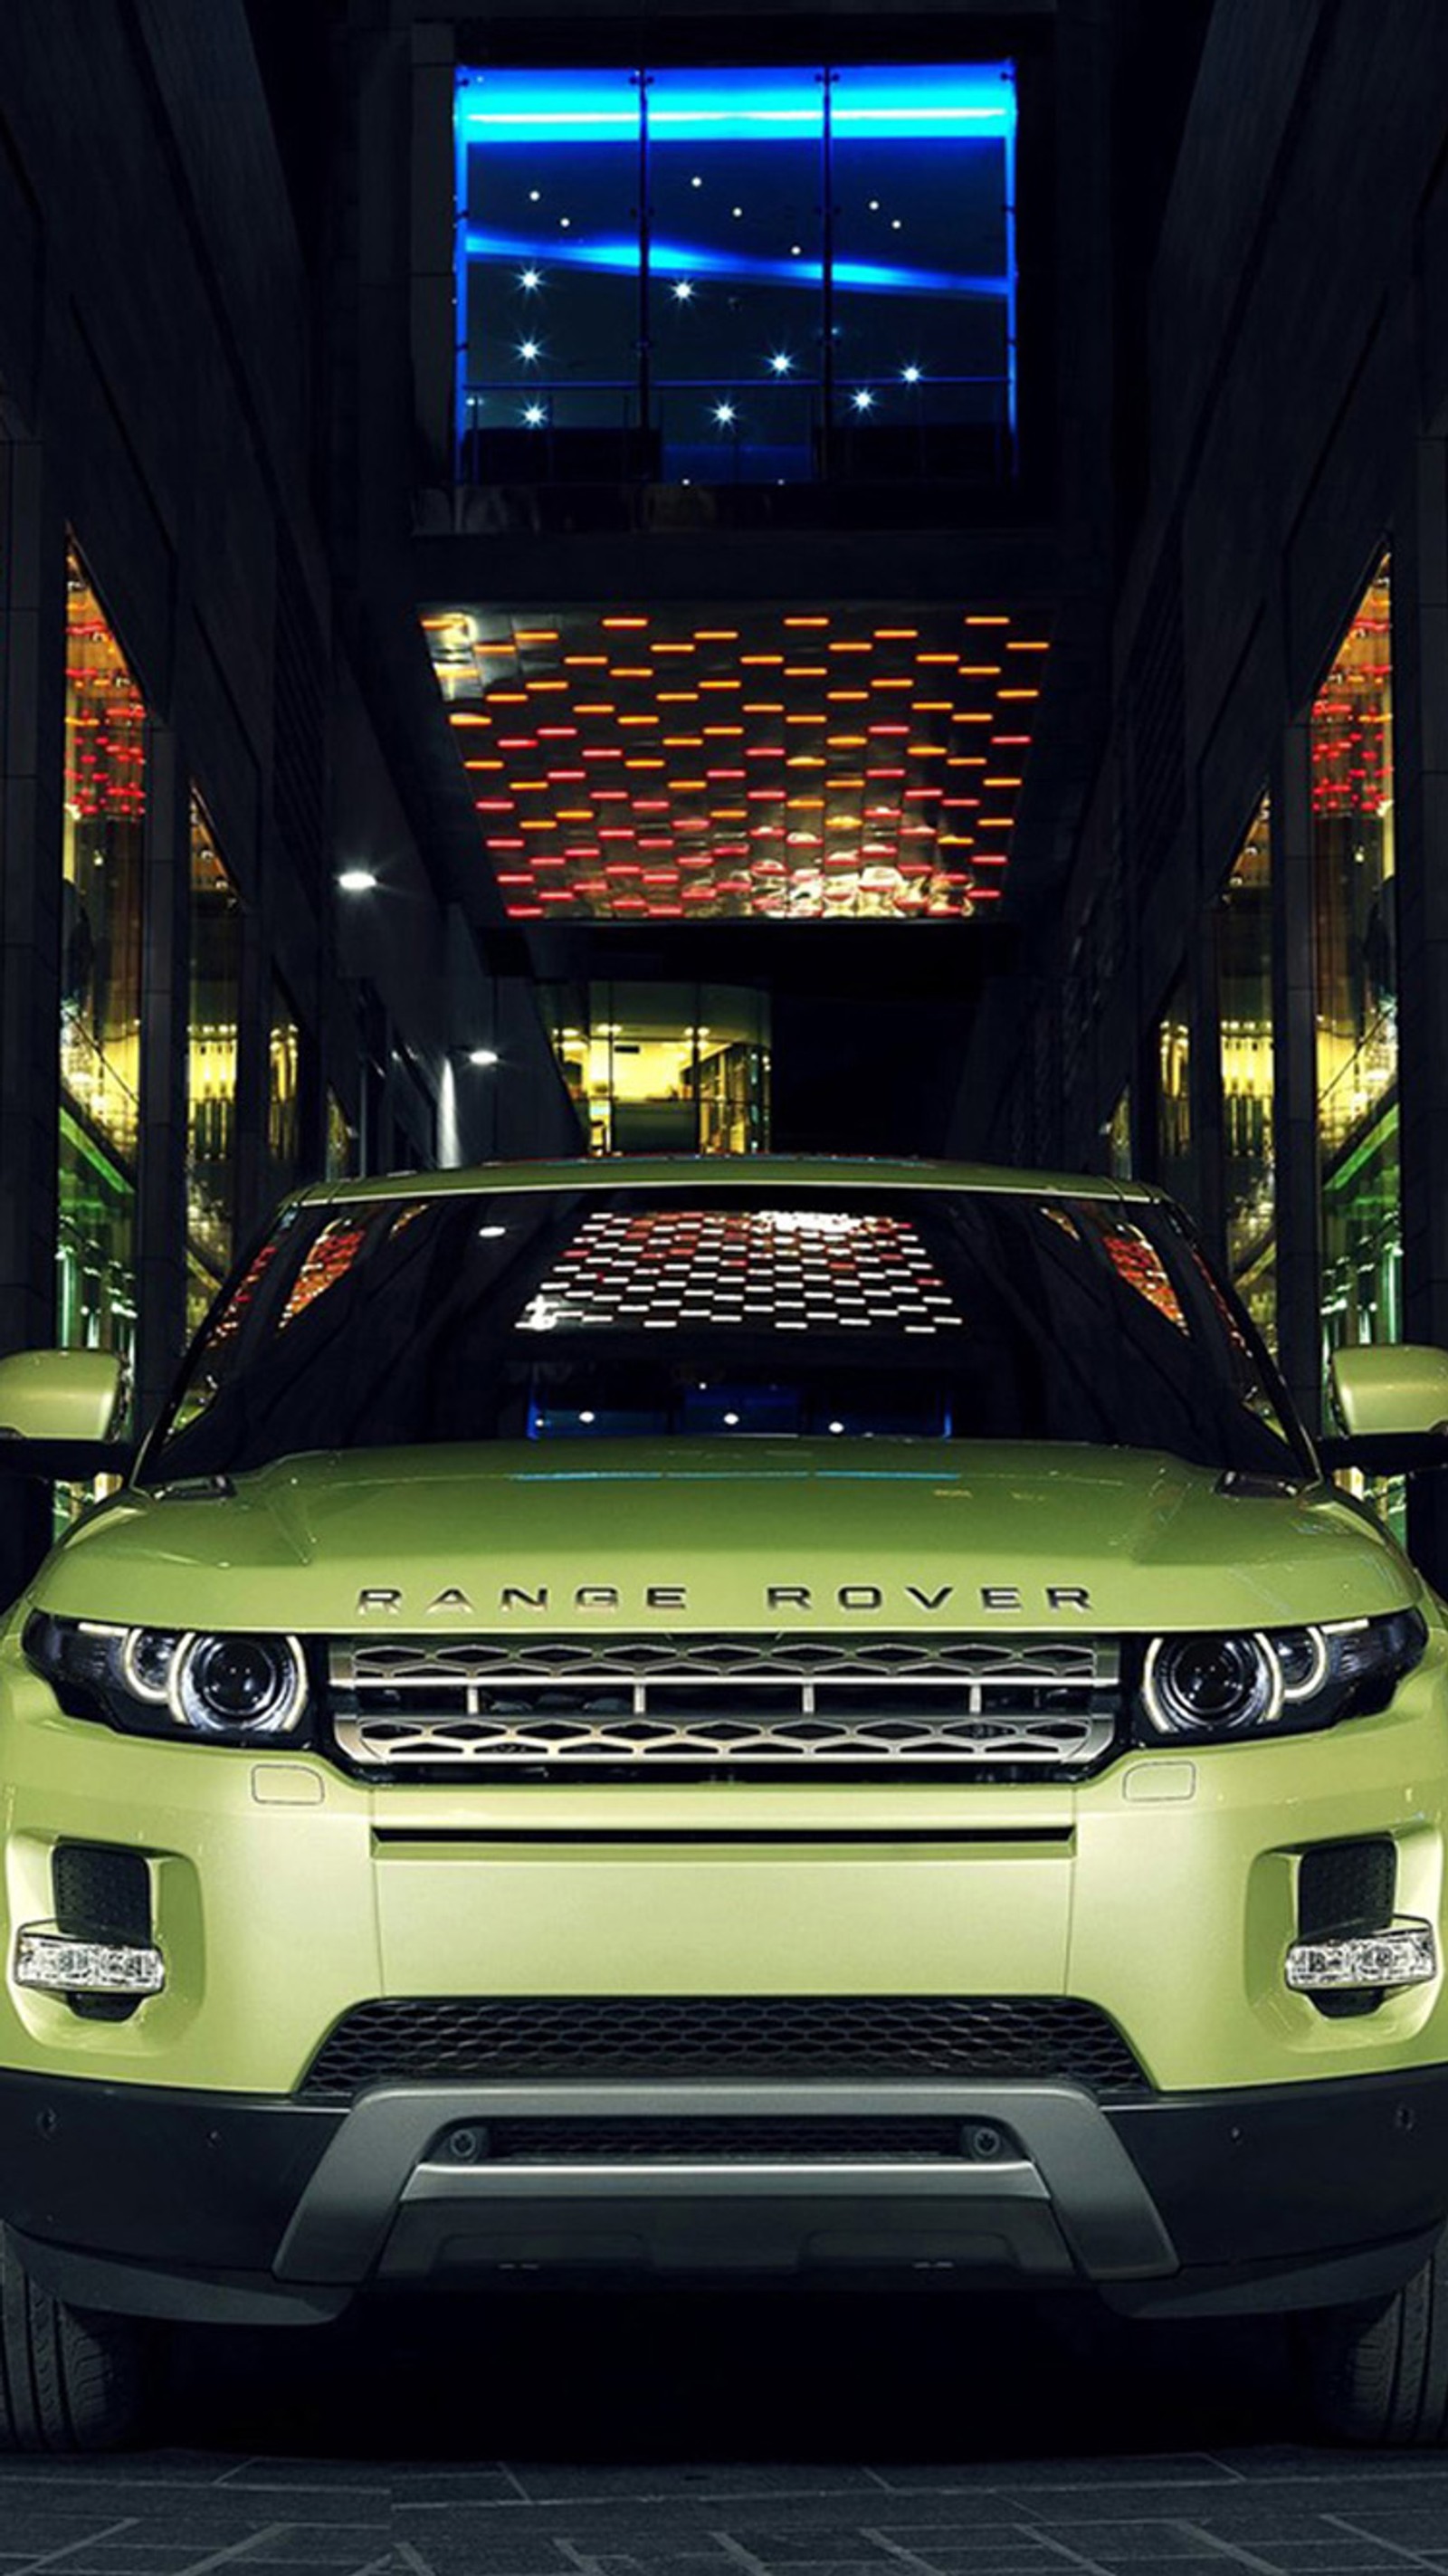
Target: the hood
pixel 725 1535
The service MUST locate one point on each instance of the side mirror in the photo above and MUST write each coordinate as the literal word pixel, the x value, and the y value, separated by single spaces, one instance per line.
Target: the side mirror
pixel 56 1412
pixel 1392 1401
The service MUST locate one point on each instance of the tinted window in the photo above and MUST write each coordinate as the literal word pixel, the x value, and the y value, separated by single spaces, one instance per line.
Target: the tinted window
pixel 582 1315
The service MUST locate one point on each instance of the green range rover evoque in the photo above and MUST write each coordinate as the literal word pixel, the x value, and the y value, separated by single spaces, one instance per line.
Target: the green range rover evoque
pixel 696 1719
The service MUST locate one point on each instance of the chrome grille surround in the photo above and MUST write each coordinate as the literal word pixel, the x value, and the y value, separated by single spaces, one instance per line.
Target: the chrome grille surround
pixel 971 1703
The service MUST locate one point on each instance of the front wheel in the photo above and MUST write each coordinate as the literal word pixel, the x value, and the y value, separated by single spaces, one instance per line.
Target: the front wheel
pixel 1378 2375
pixel 69 2380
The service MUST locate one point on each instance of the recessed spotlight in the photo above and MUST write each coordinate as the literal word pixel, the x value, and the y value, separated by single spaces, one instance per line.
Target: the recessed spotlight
pixel 863 399
pixel 894 223
pixel 533 415
pixel 533 196
pixel 683 291
pixel 910 375
pixel 482 1056
pixel 781 362
pixel 696 182
pixel 736 212
pixel 530 280
pixel 794 250
pixel 528 350
pixel 874 205
pixel 588 1415
pixel 357 881
pixel 724 414
pixel 564 222
pixel 731 1421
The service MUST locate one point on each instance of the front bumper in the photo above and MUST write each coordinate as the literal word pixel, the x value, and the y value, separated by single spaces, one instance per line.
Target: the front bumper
pixel 209 2207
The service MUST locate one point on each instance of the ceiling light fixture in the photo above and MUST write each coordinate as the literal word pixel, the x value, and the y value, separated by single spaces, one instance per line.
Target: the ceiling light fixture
pixel 357 881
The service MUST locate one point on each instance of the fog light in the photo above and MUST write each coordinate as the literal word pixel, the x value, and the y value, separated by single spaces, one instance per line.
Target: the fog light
pixel 1405 1954
pixel 58 1965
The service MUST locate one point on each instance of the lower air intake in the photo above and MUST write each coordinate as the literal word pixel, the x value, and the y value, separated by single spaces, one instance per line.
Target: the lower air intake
pixel 984 2039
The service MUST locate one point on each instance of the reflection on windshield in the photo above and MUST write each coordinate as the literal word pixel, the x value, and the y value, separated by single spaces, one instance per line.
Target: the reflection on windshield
pixel 708 1312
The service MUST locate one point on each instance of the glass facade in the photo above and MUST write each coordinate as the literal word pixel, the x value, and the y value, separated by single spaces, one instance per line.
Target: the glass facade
pixel 283 1106
pixel 749 274
pixel 215 1017
pixel 341 1141
pixel 100 979
pixel 1356 981
pixel 666 1068
pixel 1118 1138
pixel 1244 1010
pixel 1175 1168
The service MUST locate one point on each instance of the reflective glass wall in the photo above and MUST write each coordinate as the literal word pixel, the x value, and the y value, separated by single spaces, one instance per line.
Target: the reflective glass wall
pixel 1357 986
pixel 741 275
pixel 100 998
pixel 1174 1096
pixel 283 1106
pixel 666 1068
pixel 1244 1013
pixel 215 1016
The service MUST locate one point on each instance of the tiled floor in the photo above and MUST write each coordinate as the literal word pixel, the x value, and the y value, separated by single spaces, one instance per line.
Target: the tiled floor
pixel 714 2436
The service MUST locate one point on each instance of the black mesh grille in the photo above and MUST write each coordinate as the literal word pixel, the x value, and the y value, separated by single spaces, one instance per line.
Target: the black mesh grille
pixel 1040 2038
pixel 101 1892
pixel 1346 1887
pixel 780 2141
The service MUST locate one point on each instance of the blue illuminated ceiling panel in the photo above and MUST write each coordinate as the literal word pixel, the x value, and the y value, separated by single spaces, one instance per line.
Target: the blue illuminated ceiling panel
pixel 780 252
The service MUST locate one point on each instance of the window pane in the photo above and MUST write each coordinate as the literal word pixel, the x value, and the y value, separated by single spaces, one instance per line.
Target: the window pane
pixel 1357 1009
pixel 1174 1097
pixel 1244 1000
pixel 735 186
pixel 341 1141
pixel 283 1123
pixel 550 266
pixel 923 316
pixel 211 1101
pixel 1118 1138
pixel 100 1009
pixel 105 803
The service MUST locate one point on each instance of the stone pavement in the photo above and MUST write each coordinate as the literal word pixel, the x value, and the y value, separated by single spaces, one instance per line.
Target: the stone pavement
pixel 730 2436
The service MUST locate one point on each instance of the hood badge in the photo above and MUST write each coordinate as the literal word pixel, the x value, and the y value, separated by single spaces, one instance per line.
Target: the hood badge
pixel 869 1599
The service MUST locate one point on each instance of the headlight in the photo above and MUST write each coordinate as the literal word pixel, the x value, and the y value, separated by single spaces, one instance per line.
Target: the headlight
pixel 1285 1681
pixel 156 1681
pixel 239 1685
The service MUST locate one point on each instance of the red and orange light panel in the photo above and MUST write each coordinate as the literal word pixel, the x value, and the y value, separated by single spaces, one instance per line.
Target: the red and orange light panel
pixel 784 766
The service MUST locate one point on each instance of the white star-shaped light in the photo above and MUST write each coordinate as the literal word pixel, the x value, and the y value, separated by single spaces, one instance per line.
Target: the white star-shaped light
pixel 863 400
pixel 529 280
pixel 781 362
pixel 724 414
pixel 910 375
pixel 683 292
pixel 528 349
pixel 533 414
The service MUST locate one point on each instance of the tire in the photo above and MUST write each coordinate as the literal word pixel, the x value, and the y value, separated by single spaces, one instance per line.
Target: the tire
pixel 1378 2375
pixel 69 2380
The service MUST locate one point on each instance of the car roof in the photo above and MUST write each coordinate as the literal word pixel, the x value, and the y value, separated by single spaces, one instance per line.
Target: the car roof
pixel 723 1171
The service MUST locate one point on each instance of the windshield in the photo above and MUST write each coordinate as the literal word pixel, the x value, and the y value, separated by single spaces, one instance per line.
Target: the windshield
pixel 699 1312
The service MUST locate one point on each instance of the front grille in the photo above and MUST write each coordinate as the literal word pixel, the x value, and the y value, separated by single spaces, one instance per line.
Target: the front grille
pixel 898 2140
pixel 979 1705
pixel 984 2039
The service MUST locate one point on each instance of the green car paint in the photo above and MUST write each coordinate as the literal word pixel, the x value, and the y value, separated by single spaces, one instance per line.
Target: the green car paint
pixel 1159 1885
